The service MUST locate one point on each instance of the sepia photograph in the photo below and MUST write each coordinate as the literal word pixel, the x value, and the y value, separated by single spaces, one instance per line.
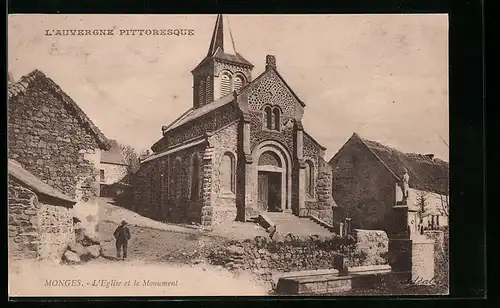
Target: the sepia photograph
pixel 228 155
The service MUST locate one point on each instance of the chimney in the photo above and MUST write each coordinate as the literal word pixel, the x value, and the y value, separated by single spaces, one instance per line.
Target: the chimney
pixel 270 62
pixel 164 129
pixel 430 156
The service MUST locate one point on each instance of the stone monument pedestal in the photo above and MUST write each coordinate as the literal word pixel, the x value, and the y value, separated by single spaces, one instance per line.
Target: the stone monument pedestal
pixel 422 260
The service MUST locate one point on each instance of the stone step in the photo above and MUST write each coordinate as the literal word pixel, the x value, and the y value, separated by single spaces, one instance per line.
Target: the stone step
pixel 331 229
pixel 314 285
pixel 289 223
pixel 333 283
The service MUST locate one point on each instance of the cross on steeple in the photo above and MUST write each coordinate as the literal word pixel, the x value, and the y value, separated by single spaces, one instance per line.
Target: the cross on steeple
pixel 220 37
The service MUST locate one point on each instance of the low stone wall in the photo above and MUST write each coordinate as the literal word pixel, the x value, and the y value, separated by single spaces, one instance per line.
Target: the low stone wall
pixel 36 229
pixel 372 245
pixel 56 231
pixel 289 254
pixel 295 254
pixel 23 222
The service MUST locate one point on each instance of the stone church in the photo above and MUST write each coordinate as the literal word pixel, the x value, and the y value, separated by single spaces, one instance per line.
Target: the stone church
pixel 241 149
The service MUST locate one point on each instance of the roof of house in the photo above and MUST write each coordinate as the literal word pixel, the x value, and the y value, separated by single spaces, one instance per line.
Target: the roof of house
pixel 17 171
pixel 426 173
pixel 27 83
pixel 113 155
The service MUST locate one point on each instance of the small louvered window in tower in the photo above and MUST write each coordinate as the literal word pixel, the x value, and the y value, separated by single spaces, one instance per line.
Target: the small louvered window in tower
pixel 238 83
pixel 208 90
pixel 225 85
pixel 201 93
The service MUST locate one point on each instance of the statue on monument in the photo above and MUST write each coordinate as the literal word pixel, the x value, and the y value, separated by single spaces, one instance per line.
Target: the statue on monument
pixel 405 187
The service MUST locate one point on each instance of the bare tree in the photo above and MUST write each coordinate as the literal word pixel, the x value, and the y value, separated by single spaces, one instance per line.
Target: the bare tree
pixel 444 206
pixel 131 158
pixel 422 204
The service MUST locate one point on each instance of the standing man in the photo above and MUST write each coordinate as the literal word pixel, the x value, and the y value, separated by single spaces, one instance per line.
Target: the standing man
pixel 122 235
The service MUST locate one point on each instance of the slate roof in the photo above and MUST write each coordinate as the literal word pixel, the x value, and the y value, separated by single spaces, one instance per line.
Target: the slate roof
pixel 236 58
pixel 113 155
pixel 428 174
pixel 33 80
pixel 192 114
pixel 38 186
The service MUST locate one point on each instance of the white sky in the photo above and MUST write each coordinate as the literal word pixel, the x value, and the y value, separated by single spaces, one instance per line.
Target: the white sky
pixel 382 76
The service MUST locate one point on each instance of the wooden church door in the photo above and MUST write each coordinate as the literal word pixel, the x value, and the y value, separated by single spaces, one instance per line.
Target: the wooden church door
pixel 263 181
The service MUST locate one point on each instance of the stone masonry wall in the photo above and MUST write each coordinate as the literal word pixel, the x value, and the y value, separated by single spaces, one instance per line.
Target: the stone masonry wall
pixel 48 140
pixel 163 193
pixel 51 142
pixel 322 206
pixel 36 230
pixel 362 187
pixel 259 133
pixel 313 152
pixel 224 204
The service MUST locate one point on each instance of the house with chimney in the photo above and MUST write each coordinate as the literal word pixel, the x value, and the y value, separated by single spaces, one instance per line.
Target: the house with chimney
pixel 54 153
pixel 371 181
pixel 239 150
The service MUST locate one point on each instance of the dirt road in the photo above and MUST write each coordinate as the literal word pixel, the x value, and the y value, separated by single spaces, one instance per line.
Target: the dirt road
pixel 164 260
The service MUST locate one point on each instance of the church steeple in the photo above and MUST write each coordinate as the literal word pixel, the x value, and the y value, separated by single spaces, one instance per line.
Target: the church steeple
pixel 222 71
pixel 217 37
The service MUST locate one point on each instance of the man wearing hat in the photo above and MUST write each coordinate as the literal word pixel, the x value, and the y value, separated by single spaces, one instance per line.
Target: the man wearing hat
pixel 122 235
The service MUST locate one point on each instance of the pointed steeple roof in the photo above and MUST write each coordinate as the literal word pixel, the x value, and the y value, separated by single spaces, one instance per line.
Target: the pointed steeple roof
pixel 217 36
pixel 222 45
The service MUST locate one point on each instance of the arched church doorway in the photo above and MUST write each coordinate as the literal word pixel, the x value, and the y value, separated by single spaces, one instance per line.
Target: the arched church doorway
pixel 270 186
pixel 273 177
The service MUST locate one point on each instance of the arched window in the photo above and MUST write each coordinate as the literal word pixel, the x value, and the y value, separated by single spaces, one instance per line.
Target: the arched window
pixel 238 82
pixel 225 85
pixel 228 173
pixel 309 179
pixel 276 118
pixel 195 178
pixel 268 117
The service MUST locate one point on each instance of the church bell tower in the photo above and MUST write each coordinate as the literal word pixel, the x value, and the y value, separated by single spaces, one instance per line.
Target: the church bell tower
pixel 222 71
